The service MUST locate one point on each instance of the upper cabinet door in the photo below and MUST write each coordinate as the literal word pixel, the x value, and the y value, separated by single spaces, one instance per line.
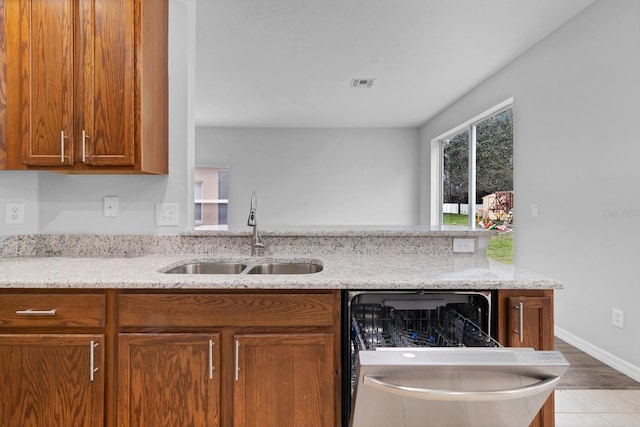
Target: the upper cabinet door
pixel 107 75
pixel 46 32
pixel 88 85
pixel 3 88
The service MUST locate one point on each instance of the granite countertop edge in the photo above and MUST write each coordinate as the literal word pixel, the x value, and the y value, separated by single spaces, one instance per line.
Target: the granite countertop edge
pixel 403 271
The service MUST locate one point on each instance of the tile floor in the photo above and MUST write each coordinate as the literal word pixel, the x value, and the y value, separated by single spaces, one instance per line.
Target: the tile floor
pixel 598 408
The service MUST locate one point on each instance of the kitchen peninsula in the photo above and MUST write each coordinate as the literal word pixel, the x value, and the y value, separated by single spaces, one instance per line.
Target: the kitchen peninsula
pixel 144 347
pixel 352 258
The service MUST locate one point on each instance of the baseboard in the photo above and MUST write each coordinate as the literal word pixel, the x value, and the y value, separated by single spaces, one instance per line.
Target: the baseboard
pixel 605 357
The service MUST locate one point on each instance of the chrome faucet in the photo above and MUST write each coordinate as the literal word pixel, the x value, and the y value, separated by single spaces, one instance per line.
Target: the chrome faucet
pixel 253 222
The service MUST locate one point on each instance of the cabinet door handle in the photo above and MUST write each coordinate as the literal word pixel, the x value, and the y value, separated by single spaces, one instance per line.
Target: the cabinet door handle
pixel 92 368
pixel 237 359
pixel 84 150
pixel 211 367
pixel 62 138
pixel 84 145
pixel 520 331
pixel 30 312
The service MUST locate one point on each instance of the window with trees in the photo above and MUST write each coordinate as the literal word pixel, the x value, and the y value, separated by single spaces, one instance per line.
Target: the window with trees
pixel 476 173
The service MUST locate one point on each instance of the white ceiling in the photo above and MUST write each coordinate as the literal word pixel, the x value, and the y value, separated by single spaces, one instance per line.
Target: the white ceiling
pixel 289 63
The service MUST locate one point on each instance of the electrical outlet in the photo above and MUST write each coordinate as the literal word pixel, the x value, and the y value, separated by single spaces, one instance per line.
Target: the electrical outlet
pixel 617 318
pixel 167 214
pixel 464 245
pixel 111 206
pixel 14 213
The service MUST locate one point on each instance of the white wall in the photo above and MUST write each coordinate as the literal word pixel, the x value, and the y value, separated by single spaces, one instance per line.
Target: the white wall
pixel 577 156
pixel 317 176
pixel 57 203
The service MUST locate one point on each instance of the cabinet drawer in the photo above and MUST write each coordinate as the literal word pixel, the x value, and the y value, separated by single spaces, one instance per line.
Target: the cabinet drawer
pixel 52 310
pixel 254 309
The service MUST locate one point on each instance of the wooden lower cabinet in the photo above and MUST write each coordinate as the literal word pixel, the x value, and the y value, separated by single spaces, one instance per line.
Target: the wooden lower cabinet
pixel 198 358
pixel 168 380
pixel 526 320
pixel 52 380
pixel 230 359
pixel 284 380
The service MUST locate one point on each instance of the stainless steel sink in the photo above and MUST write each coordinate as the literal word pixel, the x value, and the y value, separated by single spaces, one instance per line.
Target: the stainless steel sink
pixel 208 267
pixel 286 268
pixel 248 267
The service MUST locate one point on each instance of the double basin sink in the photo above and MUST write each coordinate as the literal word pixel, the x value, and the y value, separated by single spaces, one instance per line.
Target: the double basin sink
pixel 249 267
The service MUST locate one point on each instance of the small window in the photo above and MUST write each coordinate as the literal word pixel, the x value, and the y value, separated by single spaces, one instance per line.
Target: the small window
pixel 211 195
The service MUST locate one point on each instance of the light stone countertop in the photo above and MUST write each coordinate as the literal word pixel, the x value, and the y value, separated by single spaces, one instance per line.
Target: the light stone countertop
pixel 344 271
pixel 348 231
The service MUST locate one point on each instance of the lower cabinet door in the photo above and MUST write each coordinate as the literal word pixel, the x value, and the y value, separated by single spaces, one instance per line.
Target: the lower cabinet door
pixel 168 380
pixel 284 380
pixel 50 380
pixel 530 323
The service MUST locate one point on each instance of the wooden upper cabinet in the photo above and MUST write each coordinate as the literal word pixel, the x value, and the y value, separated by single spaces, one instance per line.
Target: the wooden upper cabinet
pixel 107 66
pixel 47 82
pixel 3 88
pixel 94 85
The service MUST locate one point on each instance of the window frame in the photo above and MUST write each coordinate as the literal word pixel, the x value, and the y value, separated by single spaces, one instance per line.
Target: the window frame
pixel 437 160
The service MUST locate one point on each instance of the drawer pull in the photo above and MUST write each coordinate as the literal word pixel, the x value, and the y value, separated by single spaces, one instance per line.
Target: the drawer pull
pixel 30 312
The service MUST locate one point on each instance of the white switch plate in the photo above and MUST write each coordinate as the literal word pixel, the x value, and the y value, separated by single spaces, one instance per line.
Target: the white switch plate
pixel 14 213
pixel 464 245
pixel 111 206
pixel 167 214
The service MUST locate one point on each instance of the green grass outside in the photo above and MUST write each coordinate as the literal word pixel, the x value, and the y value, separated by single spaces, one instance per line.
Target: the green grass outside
pixel 500 246
pixel 455 219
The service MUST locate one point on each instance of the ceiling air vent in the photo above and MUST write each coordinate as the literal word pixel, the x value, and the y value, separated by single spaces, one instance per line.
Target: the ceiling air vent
pixel 365 83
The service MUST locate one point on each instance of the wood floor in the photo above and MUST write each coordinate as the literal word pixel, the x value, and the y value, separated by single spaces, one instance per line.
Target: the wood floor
pixel 587 372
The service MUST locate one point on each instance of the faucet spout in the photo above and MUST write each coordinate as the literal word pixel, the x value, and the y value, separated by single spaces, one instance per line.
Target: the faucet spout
pixel 252 221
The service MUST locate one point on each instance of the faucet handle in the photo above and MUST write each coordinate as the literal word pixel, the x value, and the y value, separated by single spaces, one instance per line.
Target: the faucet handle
pixel 251 221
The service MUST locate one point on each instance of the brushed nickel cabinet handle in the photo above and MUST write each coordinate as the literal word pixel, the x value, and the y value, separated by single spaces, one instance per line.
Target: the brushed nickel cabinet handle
pixel 211 367
pixel 520 331
pixel 92 368
pixel 84 145
pixel 237 359
pixel 62 138
pixel 30 312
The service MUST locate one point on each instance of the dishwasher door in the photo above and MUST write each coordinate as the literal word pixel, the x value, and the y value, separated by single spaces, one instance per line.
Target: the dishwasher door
pixel 453 387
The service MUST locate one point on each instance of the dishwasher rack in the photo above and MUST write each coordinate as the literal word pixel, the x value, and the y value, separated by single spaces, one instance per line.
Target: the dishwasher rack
pixel 376 325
